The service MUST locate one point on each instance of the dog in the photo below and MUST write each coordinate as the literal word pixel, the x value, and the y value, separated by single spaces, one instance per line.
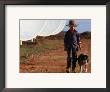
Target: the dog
pixel 83 62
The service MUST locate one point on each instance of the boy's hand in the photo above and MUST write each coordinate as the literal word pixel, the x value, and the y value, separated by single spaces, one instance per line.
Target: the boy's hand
pixel 80 45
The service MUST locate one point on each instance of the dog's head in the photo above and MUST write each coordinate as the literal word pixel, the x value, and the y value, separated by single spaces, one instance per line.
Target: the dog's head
pixel 82 58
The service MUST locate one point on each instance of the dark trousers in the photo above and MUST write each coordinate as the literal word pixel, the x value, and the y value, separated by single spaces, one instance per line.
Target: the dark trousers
pixel 71 57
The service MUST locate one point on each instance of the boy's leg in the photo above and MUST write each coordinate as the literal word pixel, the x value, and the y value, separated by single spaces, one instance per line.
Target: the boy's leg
pixel 68 62
pixel 68 59
pixel 74 58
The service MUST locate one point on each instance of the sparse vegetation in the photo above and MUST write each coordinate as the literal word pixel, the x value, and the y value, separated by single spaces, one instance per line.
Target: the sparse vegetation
pixel 50 52
pixel 41 48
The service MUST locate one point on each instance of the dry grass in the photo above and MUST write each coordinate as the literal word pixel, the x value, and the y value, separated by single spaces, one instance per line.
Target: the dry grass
pixel 48 56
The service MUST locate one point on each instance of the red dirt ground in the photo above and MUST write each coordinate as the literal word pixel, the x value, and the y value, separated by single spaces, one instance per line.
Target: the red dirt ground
pixel 54 61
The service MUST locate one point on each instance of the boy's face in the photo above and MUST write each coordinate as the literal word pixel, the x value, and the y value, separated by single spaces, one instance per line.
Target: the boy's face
pixel 71 27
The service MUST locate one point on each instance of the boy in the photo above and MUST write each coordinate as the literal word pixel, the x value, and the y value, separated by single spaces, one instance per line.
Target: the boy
pixel 71 45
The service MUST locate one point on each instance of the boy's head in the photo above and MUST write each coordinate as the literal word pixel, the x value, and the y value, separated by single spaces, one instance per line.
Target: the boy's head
pixel 72 24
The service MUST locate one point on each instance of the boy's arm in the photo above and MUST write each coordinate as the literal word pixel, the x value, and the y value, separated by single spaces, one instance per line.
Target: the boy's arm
pixel 78 41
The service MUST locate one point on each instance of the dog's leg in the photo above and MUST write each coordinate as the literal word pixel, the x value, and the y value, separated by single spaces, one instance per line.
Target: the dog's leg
pixel 86 67
pixel 81 69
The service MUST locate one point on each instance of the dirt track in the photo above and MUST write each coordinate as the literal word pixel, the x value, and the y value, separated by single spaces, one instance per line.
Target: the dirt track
pixel 53 61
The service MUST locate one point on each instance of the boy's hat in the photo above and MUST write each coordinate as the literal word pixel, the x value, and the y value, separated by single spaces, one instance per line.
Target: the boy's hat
pixel 72 22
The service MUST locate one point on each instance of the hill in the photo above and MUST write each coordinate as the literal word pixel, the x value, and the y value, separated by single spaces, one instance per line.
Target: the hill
pixel 59 36
pixel 86 35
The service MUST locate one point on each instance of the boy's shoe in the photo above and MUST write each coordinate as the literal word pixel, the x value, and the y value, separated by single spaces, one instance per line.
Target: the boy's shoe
pixel 67 70
pixel 73 71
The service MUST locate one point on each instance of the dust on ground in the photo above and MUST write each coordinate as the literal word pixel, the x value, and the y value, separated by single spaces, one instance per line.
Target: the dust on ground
pixel 54 60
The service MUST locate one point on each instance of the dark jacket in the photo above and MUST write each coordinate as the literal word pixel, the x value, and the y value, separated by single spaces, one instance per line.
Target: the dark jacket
pixel 71 39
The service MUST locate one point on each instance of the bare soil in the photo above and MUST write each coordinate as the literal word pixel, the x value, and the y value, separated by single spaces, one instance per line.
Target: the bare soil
pixel 53 61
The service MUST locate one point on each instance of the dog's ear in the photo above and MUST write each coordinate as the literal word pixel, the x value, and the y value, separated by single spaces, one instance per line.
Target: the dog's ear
pixel 86 56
